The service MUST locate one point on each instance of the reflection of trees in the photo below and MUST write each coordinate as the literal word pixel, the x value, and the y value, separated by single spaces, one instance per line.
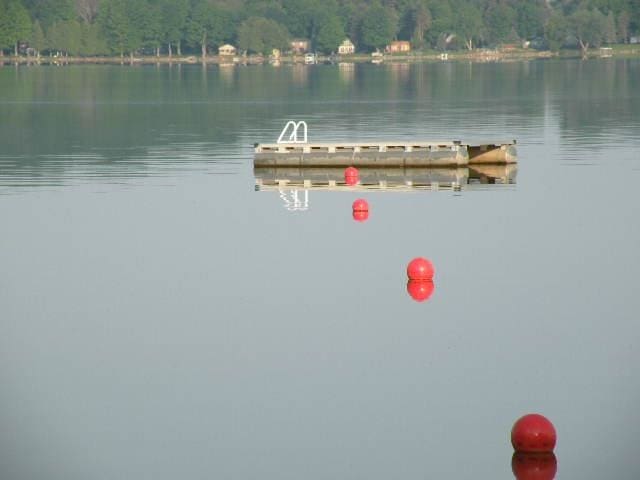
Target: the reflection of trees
pixel 119 113
pixel 594 97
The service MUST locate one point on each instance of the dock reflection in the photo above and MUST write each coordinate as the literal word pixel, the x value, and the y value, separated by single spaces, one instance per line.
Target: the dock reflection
pixel 386 179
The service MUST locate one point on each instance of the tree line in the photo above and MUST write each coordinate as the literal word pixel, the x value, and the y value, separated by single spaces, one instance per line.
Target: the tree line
pixel 175 27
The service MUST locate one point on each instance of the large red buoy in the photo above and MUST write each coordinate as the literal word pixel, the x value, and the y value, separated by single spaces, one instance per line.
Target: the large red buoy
pixel 534 466
pixel 533 433
pixel 420 269
pixel 360 205
pixel 351 176
pixel 420 290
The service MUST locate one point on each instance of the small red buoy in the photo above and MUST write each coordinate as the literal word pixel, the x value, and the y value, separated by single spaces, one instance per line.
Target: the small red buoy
pixel 534 466
pixel 360 205
pixel 351 176
pixel 361 215
pixel 533 433
pixel 420 290
pixel 420 269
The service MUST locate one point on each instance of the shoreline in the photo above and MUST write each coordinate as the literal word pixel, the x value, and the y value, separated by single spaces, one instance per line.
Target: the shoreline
pixel 626 51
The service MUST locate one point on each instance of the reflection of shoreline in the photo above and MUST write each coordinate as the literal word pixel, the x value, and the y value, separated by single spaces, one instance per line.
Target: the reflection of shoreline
pixel 478 56
pixel 388 179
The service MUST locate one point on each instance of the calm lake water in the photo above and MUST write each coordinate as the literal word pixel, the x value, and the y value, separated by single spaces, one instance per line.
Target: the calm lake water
pixel 162 319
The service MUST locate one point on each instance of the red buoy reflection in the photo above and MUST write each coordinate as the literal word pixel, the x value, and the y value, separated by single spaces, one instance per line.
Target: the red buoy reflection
pixel 534 466
pixel 361 215
pixel 420 290
pixel 351 176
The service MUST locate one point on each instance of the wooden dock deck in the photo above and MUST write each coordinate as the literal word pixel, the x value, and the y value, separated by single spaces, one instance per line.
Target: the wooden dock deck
pixel 398 154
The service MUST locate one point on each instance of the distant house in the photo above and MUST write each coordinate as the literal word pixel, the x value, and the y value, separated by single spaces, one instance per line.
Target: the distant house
pixel 299 45
pixel 634 40
pixel 226 50
pixel 398 46
pixel 346 48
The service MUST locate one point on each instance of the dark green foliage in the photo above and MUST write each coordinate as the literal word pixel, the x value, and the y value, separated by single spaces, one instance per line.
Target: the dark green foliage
pixel 89 27
pixel 377 28
pixel 15 24
pixel 589 27
pixel 330 35
pixel 262 35
pixel 556 31
pixel 37 39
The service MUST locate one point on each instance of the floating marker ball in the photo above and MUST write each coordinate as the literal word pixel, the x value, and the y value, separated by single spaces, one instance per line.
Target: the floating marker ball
pixel 420 290
pixel 361 215
pixel 534 466
pixel 420 269
pixel 533 433
pixel 351 176
pixel 361 205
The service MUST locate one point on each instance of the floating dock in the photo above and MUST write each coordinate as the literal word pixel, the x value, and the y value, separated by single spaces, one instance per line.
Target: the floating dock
pixel 290 151
pixel 387 179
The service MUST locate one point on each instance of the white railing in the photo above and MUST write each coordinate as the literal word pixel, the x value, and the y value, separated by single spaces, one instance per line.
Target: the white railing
pixel 291 129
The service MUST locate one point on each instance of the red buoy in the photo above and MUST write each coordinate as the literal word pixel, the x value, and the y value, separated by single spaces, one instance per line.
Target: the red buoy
pixel 361 215
pixel 420 269
pixel 533 433
pixel 360 205
pixel 534 466
pixel 351 176
pixel 420 290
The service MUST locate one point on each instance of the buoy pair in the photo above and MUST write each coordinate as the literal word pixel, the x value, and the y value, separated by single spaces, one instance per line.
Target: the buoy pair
pixel 360 209
pixel 533 438
pixel 420 285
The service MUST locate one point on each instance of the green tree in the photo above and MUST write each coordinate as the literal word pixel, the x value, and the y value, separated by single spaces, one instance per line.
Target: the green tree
pixel 415 20
pixel 556 31
pixel 500 20
pixel 468 24
pixel 377 28
pixel 623 26
pixel 610 29
pixel 37 40
pixel 65 36
pixel 93 42
pixel 262 35
pixel 207 26
pixel 115 23
pixel 48 12
pixel 173 20
pixel 530 19
pixel 15 24
pixel 443 21
pixel 151 27
pixel 123 24
pixel 588 27
pixel 330 35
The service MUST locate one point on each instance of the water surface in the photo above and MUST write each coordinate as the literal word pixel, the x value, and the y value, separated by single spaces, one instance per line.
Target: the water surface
pixel 162 319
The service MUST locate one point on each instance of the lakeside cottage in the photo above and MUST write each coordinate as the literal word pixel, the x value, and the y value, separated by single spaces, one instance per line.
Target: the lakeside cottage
pixel 399 46
pixel 227 49
pixel 299 45
pixel 346 47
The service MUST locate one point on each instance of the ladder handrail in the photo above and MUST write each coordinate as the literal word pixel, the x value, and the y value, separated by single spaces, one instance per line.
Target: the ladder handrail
pixel 293 137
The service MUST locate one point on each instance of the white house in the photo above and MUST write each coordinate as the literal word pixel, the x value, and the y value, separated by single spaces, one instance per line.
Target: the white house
pixel 227 50
pixel 346 48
